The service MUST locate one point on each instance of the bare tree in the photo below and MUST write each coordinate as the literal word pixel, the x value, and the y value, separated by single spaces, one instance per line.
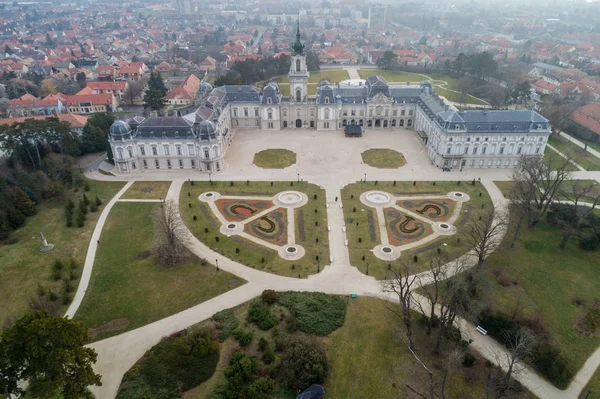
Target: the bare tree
pixel 486 233
pixel 134 90
pixel 519 306
pixel 537 183
pixel 401 284
pixel 570 216
pixel 520 343
pixel 451 362
pixel 170 249
pixel 431 285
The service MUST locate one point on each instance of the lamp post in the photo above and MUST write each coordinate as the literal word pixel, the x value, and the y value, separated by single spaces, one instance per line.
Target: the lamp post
pixel 318 266
pixel 161 201
pixel 298 176
pixel 365 177
pixel 210 178
pixel 217 263
pixel 367 268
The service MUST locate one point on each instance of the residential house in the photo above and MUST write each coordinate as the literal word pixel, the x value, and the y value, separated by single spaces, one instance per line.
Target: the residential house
pixel 29 105
pixel 91 103
pixel 116 88
pixel 586 122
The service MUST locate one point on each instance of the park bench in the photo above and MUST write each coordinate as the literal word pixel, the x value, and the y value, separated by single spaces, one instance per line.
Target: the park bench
pixel 481 330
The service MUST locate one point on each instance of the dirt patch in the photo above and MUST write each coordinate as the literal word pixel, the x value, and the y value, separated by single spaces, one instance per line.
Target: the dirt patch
pixel 589 323
pixel 141 255
pixel 146 189
pixel 371 221
pixel 113 325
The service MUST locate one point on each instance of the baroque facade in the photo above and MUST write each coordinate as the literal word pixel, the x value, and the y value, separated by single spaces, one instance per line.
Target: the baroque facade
pixel 454 139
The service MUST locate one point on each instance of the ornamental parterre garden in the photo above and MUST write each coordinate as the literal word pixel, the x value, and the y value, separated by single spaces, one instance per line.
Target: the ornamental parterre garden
pixel 278 227
pixel 392 222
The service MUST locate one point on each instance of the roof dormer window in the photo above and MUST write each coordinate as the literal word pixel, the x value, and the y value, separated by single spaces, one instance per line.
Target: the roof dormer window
pixel 326 100
pixel 269 101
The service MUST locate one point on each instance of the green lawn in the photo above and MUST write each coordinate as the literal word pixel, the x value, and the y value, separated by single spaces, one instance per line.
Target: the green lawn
pixel 505 187
pixel 576 153
pixel 147 190
pixel 383 158
pixel 332 75
pixel 127 282
pixel 551 156
pixel 23 267
pixel 565 192
pixel 446 82
pixel 252 254
pixel 274 158
pixel 593 386
pixel 366 357
pixel 550 279
pixel 377 267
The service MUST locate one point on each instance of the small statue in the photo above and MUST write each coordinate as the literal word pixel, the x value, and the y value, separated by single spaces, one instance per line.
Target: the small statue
pixel 45 246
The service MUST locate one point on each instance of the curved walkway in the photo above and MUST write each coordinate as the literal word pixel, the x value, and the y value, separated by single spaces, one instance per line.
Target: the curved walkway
pixel 117 354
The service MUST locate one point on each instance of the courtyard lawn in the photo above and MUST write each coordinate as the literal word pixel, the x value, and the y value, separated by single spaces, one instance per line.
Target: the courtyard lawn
pixel 331 75
pixel 147 190
pixel 250 253
pixel 23 267
pixel 566 190
pixel 505 187
pixel 549 279
pixel 128 287
pixel 383 158
pixel 274 159
pixel 363 225
pixel 576 153
pixel 443 85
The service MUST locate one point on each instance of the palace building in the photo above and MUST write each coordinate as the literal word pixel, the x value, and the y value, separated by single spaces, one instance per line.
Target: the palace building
pixel 454 139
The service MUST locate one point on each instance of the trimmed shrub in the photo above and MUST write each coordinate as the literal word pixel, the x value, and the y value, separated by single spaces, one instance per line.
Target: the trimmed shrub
pixel 226 323
pixel 468 360
pixel 588 240
pixel 303 363
pixel 171 367
pixel 242 337
pixel 497 324
pixel 316 313
pixel 260 314
pixel 269 296
pixel 269 356
pixel 550 362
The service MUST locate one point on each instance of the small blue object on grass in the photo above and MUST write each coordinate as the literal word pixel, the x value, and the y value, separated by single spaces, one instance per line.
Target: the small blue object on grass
pixel 352 295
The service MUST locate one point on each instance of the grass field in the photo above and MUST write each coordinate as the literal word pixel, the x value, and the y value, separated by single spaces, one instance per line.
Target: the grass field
pixel 549 279
pixel 274 158
pixel 23 267
pixel 366 358
pixel 446 82
pixel 252 254
pixel 378 267
pixel 127 283
pixel 593 386
pixel 383 158
pixel 576 153
pixel 147 190
pixel 565 192
pixel 552 157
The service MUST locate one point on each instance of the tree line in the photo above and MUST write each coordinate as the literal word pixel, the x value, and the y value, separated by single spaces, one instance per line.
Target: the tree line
pixel 39 163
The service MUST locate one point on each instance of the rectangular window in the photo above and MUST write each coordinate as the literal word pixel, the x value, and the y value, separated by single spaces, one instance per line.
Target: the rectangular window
pixel 236 122
pixel 270 125
pixel 166 149
pixel 410 112
pixel 145 164
pixel 345 113
pixel 178 149
pixel 154 150
pixel 257 122
pixel 255 111
pixel 475 150
pixel 206 154
pixel 169 163
pixel 142 150
pixel 395 112
pixel 245 111
pixel 501 150
pixel 246 122
pixel 402 112
pixel 193 163
pixel 191 149
pixel 156 164
pixel 180 164
pixel 483 150
pixel 362 112
pixel 353 113
pixel 235 112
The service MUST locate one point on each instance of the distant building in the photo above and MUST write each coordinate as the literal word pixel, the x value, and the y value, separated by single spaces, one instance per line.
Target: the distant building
pixel 377 16
pixel 185 6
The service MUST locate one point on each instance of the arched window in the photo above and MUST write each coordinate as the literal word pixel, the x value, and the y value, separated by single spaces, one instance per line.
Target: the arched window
pixel 409 123
pixel 269 101
pixel 449 149
pixel 378 110
pixel 269 113
pixel 130 151
pixel 326 112
pixel 344 122
pixel 393 123
pixel 284 112
pixel 298 95
pixel 326 100
pixel 120 152
pixel 385 123
pixel 298 65
pixel 401 122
